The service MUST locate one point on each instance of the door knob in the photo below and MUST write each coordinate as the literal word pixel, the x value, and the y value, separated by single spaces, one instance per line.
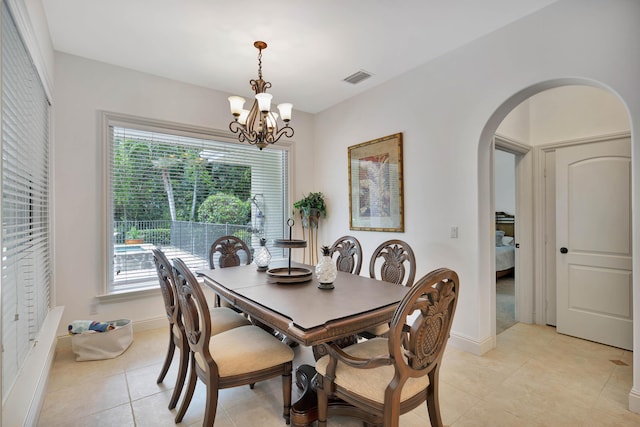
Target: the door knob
pixel 563 250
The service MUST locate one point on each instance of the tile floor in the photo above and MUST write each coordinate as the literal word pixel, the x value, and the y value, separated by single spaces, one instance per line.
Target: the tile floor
pixel 535 377
pixel 505 303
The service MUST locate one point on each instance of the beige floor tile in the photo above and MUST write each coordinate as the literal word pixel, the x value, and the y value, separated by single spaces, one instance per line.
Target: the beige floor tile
pixel 454 402
pixel 121 416
pixel 472 374
pixel 67 372
pixel 84 399
pixel 142 381
pixel 152 411
pixel 492 415
pixel 534 377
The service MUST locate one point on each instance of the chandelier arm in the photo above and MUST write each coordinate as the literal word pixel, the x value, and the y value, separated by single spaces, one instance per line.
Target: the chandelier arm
pixel 253 118
pixel 259 85
pixel 244 135
pixel 274 137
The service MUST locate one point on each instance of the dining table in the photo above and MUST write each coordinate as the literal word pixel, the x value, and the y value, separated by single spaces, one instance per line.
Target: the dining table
pixel 307 314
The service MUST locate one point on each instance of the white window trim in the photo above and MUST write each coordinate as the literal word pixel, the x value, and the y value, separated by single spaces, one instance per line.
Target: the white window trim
pixel 107 119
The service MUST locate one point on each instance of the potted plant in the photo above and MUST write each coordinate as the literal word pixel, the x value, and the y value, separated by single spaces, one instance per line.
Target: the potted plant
pixel 311 207
pixel 133 236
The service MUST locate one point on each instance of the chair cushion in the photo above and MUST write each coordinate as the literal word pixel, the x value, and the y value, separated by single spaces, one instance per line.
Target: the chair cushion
pixel 246 349
pixel 370 383
pixel 379 330
pixel 223 319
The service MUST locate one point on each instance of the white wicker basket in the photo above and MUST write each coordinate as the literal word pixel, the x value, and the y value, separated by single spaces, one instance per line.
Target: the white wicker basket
pixel 91 345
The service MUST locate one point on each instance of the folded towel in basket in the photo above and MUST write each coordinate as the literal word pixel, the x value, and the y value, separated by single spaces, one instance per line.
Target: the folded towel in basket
pixel 80 326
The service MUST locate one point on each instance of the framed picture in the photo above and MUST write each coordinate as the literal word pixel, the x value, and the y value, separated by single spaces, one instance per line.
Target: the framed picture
pixel 375 185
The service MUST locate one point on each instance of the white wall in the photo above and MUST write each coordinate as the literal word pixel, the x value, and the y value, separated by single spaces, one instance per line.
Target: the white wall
pixel 84 88
pixel 574 112
pixel 565 113
pixel 452 106
pixel 516 126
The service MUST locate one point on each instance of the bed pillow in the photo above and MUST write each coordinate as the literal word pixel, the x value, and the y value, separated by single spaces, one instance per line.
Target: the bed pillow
pixel 499 236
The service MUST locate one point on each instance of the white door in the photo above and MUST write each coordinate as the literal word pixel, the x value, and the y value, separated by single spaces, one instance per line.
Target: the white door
pixel 593 237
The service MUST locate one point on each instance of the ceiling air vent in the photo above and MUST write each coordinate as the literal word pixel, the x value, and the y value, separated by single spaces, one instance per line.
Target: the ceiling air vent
pixel 357 77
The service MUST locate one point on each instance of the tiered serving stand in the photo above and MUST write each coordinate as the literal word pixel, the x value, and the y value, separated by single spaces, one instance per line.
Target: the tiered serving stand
pixel 285 275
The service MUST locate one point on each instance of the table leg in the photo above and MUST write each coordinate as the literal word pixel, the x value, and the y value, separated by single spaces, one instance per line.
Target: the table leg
pixel 304 412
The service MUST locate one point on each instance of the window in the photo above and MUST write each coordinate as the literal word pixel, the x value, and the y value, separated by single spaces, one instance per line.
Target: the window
pixel 178 190
pixel 26 254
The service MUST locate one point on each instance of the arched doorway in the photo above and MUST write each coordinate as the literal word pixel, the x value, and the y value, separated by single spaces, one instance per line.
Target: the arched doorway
pixel 545 141
pixel 567 116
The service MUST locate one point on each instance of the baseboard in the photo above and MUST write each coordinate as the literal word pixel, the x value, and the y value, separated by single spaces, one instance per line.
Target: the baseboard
pixel 23 404
pixel 149 324
pixel 471 345
pixel 634 401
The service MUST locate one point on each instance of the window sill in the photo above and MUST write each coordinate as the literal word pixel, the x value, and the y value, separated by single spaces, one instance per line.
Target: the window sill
pixel 128 295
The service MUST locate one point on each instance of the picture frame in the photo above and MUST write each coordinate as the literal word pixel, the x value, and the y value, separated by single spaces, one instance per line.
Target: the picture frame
pixel 376 198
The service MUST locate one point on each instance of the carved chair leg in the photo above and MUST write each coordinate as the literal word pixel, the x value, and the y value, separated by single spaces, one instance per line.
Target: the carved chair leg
pixel 182 375
pixel 168 358
pixel 186 400
pixel 322 401
pixel 212 404
pixel 433 399
pixel 286 392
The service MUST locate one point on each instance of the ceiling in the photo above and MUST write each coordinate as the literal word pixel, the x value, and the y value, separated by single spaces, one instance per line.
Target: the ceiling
pixel 312 46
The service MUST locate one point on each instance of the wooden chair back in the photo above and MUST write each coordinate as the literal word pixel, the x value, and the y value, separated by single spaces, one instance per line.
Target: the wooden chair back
pixel 419 331
pixel 176 333
pixel 349 252
pixel 165 277
pixel 393 261
pixel 195 318
pixel 229 249
pixel 417 343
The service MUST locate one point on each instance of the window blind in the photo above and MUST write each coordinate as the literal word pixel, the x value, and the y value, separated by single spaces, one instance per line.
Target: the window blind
pixel 179 193
pixel 25 262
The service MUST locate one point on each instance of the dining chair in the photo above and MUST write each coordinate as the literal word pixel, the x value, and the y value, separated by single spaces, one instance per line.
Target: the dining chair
pixel 228 251
pixel 393 261
pixel 239 356
pixel 383 378
pixel 349 252
pixel 223 319
pixel 233 251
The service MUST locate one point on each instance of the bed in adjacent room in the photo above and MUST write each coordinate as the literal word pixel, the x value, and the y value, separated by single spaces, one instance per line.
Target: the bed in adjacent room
pixel 505 244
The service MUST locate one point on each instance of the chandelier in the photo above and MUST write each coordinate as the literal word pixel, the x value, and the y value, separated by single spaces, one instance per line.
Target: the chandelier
pixel 259 125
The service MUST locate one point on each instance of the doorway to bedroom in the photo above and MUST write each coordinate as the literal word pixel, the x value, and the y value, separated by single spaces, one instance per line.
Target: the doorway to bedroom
pixel 552 121
pixel 505 238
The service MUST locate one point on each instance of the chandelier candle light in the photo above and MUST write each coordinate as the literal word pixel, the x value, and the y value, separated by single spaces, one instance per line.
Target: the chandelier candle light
pixel 259 125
